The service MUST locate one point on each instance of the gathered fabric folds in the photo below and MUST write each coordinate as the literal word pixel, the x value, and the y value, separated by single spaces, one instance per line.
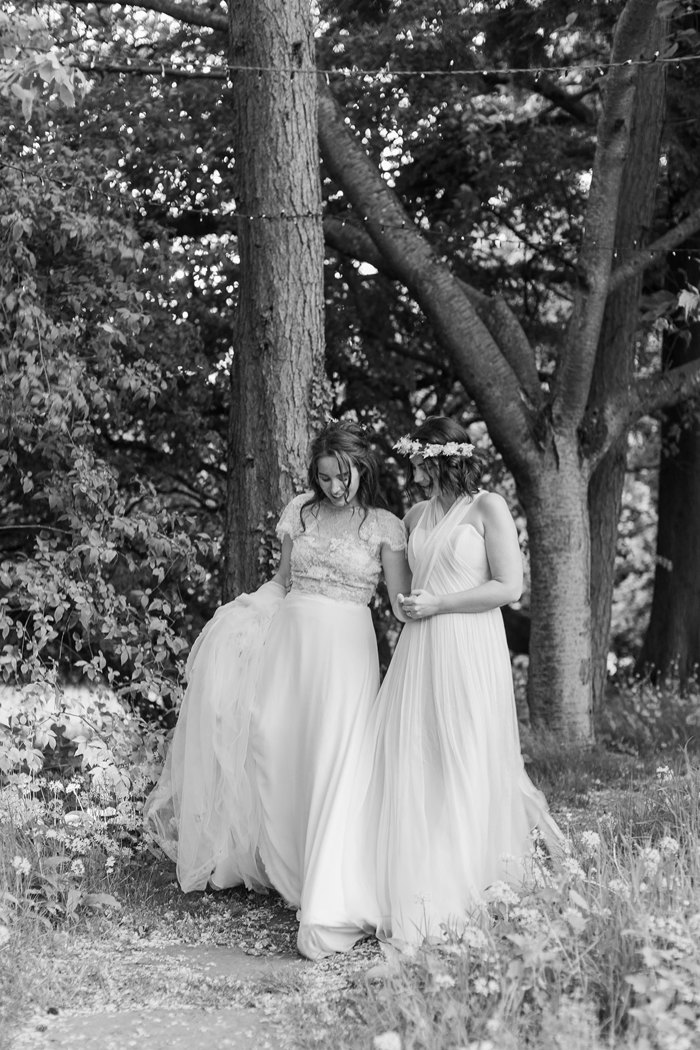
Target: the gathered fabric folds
pixel 204 811
pixel 449 808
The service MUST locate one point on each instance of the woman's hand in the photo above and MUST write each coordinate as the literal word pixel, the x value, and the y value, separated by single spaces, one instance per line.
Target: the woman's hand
pixel 419 605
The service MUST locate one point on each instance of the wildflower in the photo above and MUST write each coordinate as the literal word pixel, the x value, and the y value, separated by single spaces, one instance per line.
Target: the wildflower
pixel 79 844
pixel 669 846
pixel 650 858
pixel 21 865
pixel 619 888
pixel 664 773
pixel 590 841
pixel 78 868
pixel 574 919
pixel 501 893
pixel 530 918
pixel 109 864
pixel 572 868
pixel 481 987
pixel 443 980
pixel 387 1041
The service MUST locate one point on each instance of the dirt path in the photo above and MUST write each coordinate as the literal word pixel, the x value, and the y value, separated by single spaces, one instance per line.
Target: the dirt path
pixel 237 1027
pixel 189 973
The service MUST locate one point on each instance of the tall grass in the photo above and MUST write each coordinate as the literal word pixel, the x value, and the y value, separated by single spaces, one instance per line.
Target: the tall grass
pixel 603 953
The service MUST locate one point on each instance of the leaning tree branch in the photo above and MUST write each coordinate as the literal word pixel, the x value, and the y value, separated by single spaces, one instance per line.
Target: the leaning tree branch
pixel 647 397
pixel 479 359
pixel 674 238
pixel 181 12
pixel 573 378
pixel 561 99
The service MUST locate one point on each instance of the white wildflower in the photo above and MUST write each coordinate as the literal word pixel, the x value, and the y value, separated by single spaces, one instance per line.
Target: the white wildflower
pixel 572 868
pixel 669 846
pixel 473 937
pixel 443 980
pixel 664 773
pixel 650 858
pixel 574 919
pixel 77 867
pixel 109 864
pixel 530 918
pixel 387 1041
pixel 21 865
pixel 619 888
pixel 481 987
pixel 590 842
pixel 501 893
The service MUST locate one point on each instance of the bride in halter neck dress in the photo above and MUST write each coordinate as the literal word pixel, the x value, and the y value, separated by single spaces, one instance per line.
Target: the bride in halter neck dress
pixel 449 809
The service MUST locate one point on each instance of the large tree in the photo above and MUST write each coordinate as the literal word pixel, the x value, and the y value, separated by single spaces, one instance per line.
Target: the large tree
pixel 551 419
pixel 276 394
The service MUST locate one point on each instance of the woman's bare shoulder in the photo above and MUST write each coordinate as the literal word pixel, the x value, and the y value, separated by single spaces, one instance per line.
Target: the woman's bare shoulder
pixel 413 514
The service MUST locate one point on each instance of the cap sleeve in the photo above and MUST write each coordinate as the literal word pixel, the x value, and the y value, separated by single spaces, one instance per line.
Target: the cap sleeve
pixel 290 518
pixel 393 532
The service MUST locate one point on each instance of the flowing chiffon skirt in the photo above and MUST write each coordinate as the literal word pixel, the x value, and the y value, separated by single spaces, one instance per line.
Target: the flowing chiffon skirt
pixel 451 809
pixel 259 782
pixel 315 694
pixel 448 809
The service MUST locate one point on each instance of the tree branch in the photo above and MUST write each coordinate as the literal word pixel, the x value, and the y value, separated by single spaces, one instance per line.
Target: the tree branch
pixel 572 380
pixel 560 98
pixel 478 358
pixel 188 13
pixel 670 240
pixel 648 396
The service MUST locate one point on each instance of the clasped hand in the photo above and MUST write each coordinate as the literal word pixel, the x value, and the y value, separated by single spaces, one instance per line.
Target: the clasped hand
pixel 418 605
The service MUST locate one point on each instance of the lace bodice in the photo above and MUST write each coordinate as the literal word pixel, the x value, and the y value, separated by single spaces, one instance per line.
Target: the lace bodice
pixel 338 553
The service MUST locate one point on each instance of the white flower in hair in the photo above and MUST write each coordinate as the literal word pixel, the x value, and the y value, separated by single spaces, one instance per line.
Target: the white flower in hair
pixel 405 447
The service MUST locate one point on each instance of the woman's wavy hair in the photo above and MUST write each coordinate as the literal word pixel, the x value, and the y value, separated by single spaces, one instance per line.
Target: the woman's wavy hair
pixel 349 444
pixel 456 474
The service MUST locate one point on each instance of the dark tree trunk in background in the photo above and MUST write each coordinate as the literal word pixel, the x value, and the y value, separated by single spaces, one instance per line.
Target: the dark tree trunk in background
pixel 672 641
pixel 278 329
pixel 614 366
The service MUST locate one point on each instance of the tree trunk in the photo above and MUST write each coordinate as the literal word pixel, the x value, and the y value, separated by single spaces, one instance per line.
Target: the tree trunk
pixel 614 366
pixel 672 641
pixel 559 681
pixel 278 329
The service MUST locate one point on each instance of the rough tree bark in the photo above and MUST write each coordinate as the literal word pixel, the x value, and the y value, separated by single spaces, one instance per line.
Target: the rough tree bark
pixel 672 640
pixel 278 332
pixel 614 367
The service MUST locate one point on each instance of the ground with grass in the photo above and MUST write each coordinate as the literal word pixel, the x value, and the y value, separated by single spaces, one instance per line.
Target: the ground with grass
pixel 601 954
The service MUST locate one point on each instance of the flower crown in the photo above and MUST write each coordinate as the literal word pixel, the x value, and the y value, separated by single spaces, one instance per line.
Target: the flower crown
pixel 405 447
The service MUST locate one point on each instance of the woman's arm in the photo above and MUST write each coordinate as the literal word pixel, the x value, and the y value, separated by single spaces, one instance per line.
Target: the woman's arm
pixel 282 577
pixel 397 576
pixel 505 563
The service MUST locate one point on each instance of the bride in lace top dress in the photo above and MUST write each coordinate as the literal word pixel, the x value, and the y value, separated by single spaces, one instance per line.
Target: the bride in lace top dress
pixel 258 785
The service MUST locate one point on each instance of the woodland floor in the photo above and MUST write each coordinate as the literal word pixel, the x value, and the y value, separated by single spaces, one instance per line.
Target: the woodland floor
pixel 211 971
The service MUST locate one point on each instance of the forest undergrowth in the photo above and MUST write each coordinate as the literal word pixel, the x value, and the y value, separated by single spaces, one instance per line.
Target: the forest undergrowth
pixel 602 952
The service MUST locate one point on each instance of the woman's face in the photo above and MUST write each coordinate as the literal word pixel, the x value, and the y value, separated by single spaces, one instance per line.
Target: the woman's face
pixel 423 477
pixel 338 483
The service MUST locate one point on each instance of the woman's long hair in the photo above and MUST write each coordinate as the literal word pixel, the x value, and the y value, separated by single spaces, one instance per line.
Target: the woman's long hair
pixel 348 443
pixel 459 475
